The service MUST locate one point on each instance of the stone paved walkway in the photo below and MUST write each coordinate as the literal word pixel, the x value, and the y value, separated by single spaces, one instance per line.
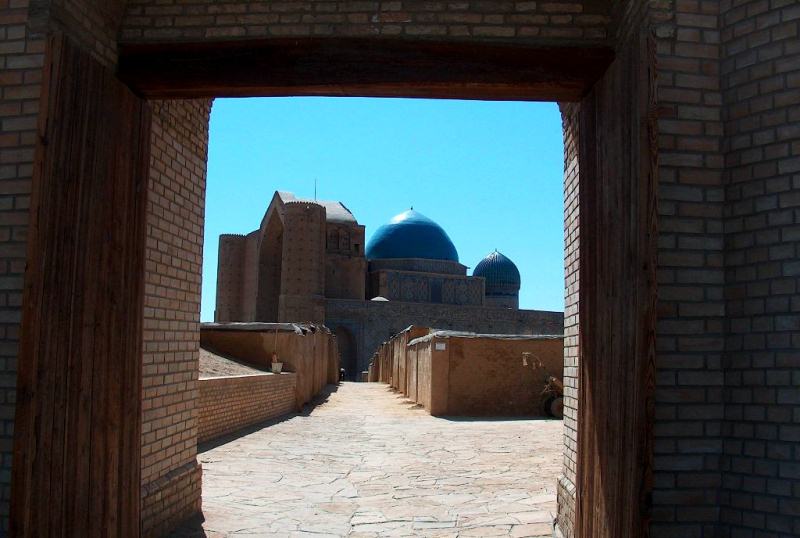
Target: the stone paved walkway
pixel 367 463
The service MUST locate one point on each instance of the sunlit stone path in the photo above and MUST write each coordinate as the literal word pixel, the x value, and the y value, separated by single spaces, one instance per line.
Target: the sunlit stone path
pixel 366 463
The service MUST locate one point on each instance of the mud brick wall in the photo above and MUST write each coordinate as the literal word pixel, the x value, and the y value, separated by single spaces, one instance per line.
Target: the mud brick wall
pixel 311 352
pixel 228 404
pixel 471 376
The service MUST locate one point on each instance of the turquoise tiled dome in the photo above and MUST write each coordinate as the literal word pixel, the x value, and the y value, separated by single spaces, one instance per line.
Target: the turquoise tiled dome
pixel 411 235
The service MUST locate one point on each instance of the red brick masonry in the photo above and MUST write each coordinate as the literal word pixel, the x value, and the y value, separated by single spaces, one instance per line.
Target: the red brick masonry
pixel 228 404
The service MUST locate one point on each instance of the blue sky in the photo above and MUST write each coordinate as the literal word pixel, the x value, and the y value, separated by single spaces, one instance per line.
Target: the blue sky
pixel 490 173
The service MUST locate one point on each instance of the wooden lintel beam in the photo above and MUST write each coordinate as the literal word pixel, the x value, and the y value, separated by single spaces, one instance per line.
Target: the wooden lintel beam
pixel 372 67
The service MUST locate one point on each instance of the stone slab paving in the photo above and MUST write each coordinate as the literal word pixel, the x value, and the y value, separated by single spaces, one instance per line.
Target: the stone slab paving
pixel 367 463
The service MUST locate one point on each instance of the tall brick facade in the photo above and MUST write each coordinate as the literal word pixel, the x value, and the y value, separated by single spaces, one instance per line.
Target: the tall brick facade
pixel 760 84
pixel 174 256
pixel 690 331
pixel 566 481
pixel 728 82
pixel 21 58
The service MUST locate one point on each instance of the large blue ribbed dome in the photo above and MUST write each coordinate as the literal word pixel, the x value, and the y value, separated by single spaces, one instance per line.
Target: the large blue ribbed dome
pixel 501 274
pixel 411 235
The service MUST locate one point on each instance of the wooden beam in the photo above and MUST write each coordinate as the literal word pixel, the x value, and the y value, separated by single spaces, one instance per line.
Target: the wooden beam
pixel 369 67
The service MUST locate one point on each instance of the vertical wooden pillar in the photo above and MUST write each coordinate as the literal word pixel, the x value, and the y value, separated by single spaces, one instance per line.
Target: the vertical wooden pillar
pixel 617 299
pixel 78 426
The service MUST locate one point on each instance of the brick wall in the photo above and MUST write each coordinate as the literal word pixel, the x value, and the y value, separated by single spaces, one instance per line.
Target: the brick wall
pixel 690 330
pixel 174 254
pixel 562 22
pixel 760 82
pixel 21 59
pixel 94 25
pixel 566 482
pixel 228 404
pixel 728 81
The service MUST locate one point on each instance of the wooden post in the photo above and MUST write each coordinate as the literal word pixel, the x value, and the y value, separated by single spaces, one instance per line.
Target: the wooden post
pixel 78 424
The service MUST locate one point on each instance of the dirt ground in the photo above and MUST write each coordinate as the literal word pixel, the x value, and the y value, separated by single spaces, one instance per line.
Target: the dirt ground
pixel 215 365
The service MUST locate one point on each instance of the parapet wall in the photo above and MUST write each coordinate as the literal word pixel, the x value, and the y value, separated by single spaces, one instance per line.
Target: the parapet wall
pixel 452 373
pixel 228 404
pixel 310 351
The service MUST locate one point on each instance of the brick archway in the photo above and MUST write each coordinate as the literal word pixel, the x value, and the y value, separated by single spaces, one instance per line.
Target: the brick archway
pixel 579 52
pixel 727 239
pixel 497 72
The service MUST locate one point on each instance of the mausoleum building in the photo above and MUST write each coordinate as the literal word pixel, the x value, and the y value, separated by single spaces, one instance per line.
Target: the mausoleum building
pixel 308 262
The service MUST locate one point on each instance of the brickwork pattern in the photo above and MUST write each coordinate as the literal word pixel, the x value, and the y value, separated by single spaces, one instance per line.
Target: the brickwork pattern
pixel 303 257
pixel 94 25
pixel 228 404
pixel 559 21
pixel 726 395
pixel 566 482
pixel 760 81
pixel 690 330
pixel 170 499
pixel 21 59
pixel 174 253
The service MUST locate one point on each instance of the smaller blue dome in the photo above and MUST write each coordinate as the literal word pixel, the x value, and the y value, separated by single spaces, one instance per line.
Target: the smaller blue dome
pixel 501 274
pixel 411 235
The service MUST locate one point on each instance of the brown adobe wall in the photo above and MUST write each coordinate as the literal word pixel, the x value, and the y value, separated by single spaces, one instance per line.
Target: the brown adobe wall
pixel 313 356
pixel 475 376
pixel 421 354
pixel 228 404
pixel 487 376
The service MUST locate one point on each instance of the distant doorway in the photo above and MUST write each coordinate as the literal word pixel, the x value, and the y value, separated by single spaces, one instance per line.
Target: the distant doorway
pixel 348 352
